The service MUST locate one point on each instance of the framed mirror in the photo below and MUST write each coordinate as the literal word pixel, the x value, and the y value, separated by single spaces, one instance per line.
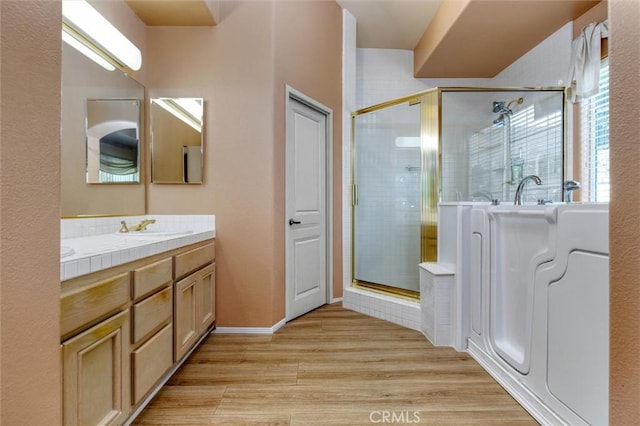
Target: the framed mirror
pixel 176 140
pixel 113 141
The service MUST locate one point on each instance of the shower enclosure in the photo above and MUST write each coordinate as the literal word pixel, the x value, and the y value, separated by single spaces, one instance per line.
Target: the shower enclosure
pixel 444 145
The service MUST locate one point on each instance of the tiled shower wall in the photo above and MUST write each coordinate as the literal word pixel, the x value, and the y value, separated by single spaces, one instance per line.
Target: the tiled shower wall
pixel 387 216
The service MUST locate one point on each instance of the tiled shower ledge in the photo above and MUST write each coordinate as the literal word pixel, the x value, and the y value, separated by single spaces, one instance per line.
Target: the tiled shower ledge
pixel 97 244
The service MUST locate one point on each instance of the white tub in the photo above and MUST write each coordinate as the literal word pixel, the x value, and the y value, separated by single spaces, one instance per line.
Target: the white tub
pixel 539 306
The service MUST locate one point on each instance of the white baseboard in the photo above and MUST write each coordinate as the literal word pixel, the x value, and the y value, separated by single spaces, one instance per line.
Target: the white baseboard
pixel 250 330
pixel 336 300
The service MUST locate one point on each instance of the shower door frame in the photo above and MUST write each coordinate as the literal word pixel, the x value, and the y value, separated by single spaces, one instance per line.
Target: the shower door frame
pixel 431 159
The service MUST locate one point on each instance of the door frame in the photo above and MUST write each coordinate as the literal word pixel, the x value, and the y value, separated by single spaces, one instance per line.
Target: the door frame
pixel 296 95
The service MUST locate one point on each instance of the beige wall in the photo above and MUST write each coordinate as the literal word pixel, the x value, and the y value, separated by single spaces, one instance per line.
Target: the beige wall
pixel 624 62
pixel 231 67
pixel 30 213
pixel 240 68
pixel 308 42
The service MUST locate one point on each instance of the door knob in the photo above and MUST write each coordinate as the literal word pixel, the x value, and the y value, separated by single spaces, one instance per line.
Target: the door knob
pixel 294 222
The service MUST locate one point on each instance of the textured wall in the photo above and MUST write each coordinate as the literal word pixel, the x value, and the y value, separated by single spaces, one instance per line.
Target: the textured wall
pixel 308 57
pixel 240 67
pixel 624 237
pixel 231 67
pixel 30 60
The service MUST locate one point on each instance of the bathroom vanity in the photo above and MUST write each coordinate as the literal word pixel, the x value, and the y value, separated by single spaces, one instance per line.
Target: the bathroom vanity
pixel 128 324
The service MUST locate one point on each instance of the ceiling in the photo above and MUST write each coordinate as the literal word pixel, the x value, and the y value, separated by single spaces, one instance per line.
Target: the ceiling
pixel 390 24
pixel 175 12
pixel 450 38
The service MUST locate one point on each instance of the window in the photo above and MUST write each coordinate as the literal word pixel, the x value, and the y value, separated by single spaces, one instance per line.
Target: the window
pixel 595 141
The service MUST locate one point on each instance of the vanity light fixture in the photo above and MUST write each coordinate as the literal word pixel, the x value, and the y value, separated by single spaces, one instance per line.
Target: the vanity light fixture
pixel 89 53
pixel 82 22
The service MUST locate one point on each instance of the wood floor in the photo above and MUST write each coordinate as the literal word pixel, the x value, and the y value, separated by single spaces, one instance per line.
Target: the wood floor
pixel 331 367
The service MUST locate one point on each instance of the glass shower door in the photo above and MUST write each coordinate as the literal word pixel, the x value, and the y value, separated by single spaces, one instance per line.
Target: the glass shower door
pixel 386 215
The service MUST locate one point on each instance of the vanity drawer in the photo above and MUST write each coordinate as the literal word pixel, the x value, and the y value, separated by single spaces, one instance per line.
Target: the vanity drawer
pixel 151 277
pixel 194 259
pixel 150 361
pixel 92 303
pixel 151 313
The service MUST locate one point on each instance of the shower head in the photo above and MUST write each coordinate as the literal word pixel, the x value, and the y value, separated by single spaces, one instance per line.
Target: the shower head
pixel 518 101
pixel 502 107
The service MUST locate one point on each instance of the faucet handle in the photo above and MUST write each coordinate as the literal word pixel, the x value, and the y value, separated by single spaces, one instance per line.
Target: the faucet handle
pixel 124 227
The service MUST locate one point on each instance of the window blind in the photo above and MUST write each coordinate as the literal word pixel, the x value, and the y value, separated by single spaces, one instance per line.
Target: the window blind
pixel 530 143
pixel 594 129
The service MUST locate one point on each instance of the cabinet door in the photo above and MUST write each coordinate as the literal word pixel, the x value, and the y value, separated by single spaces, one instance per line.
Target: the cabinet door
pixel 96 374
pixel 150 361
pixel 186 320
pixel 207 297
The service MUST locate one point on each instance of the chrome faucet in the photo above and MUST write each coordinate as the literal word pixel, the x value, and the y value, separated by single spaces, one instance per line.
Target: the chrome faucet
pixel 518 199
pixel 569 186
pixel 142 226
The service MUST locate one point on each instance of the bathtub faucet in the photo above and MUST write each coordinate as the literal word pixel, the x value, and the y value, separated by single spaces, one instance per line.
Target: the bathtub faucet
pixel 518 199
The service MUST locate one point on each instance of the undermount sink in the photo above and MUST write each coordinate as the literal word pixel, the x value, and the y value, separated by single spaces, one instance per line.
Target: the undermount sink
pixel 149 233
pixel 66 251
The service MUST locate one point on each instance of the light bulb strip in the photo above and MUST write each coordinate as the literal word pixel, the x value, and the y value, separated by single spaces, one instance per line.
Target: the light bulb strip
pixel 91 48
pixel 102 35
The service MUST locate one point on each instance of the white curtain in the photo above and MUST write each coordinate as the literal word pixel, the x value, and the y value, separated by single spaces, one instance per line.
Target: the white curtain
pixel 584 73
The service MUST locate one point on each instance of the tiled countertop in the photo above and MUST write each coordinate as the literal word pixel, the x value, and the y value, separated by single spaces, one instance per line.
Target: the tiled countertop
pixel 94 251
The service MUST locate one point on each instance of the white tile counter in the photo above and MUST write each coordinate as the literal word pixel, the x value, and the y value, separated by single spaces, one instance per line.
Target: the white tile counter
pixel 92 244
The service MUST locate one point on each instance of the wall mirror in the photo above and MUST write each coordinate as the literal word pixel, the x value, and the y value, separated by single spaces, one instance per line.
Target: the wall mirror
pixel 113 141
pixel 87 88
pixel 176 140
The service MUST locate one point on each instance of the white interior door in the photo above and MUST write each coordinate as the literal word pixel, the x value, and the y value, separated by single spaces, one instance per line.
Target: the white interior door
pixel 306 208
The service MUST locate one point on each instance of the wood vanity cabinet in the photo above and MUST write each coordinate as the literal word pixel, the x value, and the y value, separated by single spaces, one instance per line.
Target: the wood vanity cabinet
pixel 194 298
pixel 121 328
pixel 152 328
pixel 95 369
pixel 94 324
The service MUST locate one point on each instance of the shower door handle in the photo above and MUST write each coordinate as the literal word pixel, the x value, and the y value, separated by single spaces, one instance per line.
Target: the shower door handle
pixel 294 222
